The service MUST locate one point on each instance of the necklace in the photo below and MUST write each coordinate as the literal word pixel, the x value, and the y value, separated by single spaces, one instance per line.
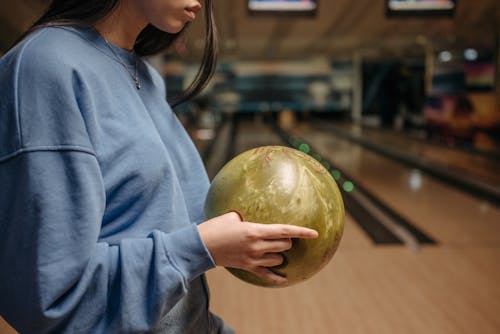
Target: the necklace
pixel 134 75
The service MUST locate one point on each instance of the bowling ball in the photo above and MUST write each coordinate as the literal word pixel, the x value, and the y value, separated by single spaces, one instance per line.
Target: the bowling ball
pixel 280 185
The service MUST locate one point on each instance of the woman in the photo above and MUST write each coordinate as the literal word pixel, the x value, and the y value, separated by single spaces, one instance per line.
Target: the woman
pixel 101 222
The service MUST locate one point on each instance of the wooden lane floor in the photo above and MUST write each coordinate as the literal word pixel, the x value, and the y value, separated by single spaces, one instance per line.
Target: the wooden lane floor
pixel 481 165
pixel 370 289
pixel 451 287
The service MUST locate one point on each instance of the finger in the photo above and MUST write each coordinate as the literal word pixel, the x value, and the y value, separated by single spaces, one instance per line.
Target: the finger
pixel 277 245
pixel 233 215
pixel 270 277
pixel 282 231
pixel 269 260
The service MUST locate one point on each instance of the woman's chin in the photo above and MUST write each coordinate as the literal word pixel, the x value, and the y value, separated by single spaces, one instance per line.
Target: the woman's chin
pixel 173 28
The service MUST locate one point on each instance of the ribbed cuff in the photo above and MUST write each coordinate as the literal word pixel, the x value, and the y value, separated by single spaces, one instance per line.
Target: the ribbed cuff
pixel 185 248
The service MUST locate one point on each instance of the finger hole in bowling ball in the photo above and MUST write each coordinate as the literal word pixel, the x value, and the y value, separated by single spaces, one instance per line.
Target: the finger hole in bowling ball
pixel 276 269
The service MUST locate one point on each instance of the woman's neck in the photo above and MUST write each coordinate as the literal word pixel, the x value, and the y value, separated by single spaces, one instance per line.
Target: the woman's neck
pixel 122 26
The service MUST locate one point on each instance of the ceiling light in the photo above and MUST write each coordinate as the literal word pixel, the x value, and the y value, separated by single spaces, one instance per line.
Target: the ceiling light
pixel 445 56
pixel 471 54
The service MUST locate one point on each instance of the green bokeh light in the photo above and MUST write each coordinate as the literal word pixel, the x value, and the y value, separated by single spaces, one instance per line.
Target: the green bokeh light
pixel 304 148
pixel 336 174
pixel 348 186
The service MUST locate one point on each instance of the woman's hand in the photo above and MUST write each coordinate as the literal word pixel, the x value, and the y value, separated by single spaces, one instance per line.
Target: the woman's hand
pixel 250 246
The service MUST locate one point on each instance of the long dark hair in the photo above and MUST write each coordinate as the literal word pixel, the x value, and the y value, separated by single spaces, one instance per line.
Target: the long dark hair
pixel 149 42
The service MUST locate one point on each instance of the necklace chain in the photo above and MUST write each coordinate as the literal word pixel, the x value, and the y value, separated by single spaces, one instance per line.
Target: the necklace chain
pixel 134 75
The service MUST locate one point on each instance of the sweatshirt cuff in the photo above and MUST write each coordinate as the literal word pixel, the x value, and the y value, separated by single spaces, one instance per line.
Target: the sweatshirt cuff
pixel 187 251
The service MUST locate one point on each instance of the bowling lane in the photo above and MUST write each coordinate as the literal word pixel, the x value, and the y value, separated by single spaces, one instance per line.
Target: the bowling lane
pixel 447 215
pixel 481 166
pixel 376 290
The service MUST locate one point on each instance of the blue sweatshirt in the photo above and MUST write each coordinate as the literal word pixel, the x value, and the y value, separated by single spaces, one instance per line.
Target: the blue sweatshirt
pixel 100 192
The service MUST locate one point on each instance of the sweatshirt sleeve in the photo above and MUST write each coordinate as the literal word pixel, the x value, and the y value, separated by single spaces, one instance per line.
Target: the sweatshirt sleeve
pixel 56 274
pixel 57 277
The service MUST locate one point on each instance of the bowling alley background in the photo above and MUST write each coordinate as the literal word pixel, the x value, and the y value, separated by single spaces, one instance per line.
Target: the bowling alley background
pixel 400 101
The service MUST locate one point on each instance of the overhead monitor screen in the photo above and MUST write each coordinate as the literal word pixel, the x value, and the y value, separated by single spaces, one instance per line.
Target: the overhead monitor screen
pixel 283 6
pixel 421 7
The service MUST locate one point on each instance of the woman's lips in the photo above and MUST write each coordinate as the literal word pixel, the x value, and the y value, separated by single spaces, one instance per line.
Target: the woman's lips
pixel 191 11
